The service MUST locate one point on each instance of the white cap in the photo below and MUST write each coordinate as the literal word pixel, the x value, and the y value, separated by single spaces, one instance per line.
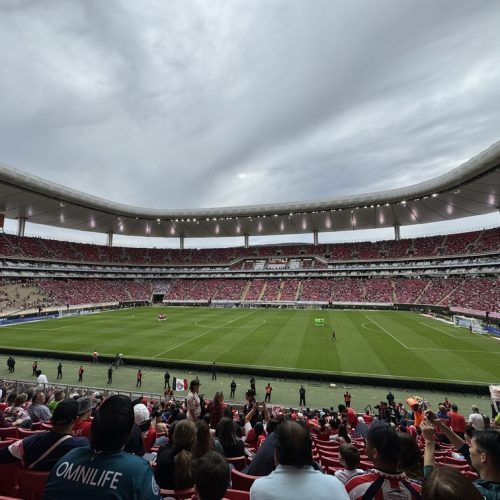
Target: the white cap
pixel 141 413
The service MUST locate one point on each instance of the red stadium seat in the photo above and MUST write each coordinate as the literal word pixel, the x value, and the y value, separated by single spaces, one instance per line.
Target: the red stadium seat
pixel 178 494
pixel 242 481
pixel 25 433
pixel 236 495
pixel 9 432
pixel 327 462
pixel 455 461
pixel 31 483
pixel 8 480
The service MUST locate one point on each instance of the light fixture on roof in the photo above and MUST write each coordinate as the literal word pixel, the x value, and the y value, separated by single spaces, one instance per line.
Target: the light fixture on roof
pixel 434 195
pixel 61 204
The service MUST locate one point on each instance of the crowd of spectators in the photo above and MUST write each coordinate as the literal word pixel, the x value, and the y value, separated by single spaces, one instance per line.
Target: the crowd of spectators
pixel 210 448
pixel 479 293
pixel 455 244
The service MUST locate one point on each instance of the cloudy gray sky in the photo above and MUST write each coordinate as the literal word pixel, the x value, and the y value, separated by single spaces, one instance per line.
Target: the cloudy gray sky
pixel 189 104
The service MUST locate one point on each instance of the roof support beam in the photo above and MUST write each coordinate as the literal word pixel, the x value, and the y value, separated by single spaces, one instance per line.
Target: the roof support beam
pixel 21 226
pixel 397 233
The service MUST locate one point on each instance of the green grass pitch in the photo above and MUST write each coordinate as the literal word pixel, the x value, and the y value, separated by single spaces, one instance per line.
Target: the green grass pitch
pixel 379 343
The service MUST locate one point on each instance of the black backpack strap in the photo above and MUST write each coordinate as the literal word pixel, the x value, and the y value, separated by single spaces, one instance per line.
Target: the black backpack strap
pixel 414 493
pixel 372 490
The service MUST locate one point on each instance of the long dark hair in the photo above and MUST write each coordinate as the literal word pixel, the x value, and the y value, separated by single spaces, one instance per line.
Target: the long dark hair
pixel 204 442
pixel 343 433
pixel 226 432
pixel 183 443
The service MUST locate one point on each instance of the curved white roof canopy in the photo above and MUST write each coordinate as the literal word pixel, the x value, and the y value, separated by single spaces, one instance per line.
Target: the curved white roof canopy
pixel 471 189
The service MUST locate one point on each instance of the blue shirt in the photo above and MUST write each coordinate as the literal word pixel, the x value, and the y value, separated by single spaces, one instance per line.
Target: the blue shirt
pixel 82 474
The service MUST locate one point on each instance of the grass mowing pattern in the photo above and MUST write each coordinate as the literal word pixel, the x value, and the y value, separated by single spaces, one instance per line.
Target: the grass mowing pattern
pixel 386 343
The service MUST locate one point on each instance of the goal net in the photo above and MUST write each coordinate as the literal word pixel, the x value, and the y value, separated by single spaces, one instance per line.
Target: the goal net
pixel 474 324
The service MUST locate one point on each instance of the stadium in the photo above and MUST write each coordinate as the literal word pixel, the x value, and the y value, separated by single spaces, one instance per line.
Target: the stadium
pixel 414 313
pixel 249 250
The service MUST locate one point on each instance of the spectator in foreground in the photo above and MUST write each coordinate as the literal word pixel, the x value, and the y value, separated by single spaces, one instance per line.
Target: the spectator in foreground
pixel 83 422
pixel 295 477
pixel 483 454
pixel 58 441
pixel 173 465
pixel 226 435
pixel 104 471
pixel 383 481
pixel 410 459
pixel 212 476
pixel 445 483
pixel 263 462
pixel 349 457
pixel 204 441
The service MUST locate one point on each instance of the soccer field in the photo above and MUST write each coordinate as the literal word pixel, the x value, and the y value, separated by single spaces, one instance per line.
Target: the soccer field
pixel 378 343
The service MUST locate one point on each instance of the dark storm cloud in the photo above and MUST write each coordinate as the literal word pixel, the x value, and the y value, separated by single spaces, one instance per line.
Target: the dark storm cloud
pixel 196 104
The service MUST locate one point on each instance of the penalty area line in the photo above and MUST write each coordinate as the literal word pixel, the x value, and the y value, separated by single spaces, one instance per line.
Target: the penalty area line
pixel 385 331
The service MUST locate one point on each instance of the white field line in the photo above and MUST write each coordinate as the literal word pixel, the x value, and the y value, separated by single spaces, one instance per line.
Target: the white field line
pixel 438 329
pixel 363 325
pixel 12 327
pixel 452 350
pixel 390 334
pixel 202 334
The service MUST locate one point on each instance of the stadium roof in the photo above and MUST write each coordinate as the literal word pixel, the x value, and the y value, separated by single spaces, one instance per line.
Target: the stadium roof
pixel 470 189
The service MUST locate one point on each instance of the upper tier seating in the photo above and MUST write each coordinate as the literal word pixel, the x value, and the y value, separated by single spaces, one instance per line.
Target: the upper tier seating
pixel 456 244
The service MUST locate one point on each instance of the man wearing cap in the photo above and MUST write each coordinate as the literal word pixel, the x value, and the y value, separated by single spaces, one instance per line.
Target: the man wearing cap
pixel 83 422
pixel 42 450
pixel 193 401
pixel 104 471
pixel 143 419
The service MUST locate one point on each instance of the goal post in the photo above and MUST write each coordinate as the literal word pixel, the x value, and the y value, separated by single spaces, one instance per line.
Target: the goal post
pixel 473 324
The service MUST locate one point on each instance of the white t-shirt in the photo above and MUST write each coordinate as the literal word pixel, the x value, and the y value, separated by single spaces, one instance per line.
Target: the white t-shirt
pixel 477 421
pixel 41 380
pixel 344 475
